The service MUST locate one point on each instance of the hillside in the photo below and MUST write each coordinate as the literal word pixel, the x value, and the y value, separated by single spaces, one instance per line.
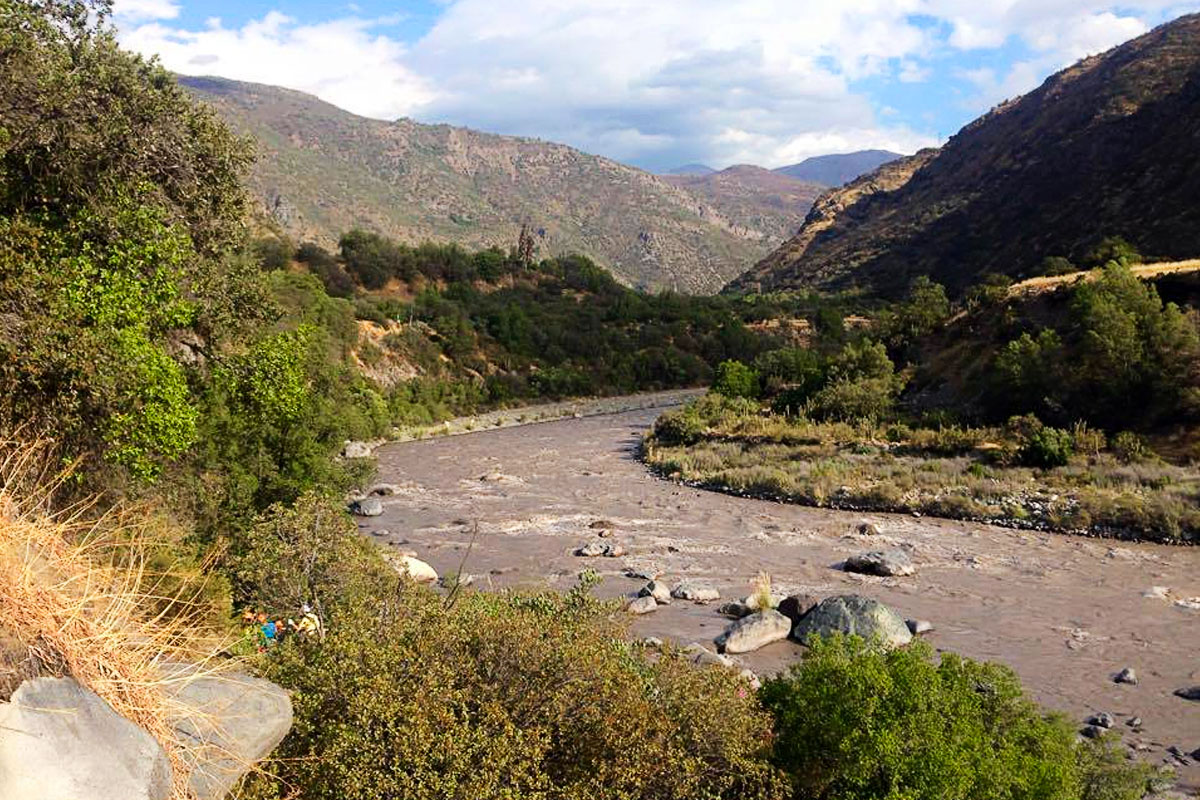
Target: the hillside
pixel 322 171
pixel 1107 147
pixel 764 205
pixel 838 169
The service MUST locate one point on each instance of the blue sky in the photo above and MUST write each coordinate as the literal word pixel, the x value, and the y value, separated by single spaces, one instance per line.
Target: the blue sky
pixel 655 83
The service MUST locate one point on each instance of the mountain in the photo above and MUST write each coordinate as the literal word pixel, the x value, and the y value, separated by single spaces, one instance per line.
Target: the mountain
pixel 691 169
pixel 322 171
pixel 840 168
pixel 1107 147
pixel 764 205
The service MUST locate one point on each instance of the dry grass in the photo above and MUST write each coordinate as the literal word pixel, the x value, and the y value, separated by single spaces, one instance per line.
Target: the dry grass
pixel 1143 271
pixel 77 598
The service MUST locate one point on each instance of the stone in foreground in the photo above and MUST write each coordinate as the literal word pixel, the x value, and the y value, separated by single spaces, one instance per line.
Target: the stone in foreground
pixel 60 741
pixel 892 563
pixel 1127 675
pixel 701 656
pixel 642 605
pixel 696 591
pixel 754 631
pixel 854 615
pixel 233 721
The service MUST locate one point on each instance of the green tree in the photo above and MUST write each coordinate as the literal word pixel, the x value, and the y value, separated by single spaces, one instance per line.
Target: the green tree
pixel 735 379
pixel 856 721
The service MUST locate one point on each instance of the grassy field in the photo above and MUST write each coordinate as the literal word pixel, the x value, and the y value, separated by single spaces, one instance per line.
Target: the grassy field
pixel 952 472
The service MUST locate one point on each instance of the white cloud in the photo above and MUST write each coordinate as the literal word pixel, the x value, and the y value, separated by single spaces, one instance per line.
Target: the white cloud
pixel 766 81
pixel 126 11
pixel 340 61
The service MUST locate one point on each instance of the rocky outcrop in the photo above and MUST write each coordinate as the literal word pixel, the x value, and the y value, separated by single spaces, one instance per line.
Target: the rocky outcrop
pixel 854 615
pixel 60 741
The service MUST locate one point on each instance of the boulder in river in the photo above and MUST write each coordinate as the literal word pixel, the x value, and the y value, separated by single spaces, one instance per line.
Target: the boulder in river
pixel 597 549
pixel 658 591
pixel 884 563
pixel 854 615
pixel 795 606
pixel 696 591
pixel 367 507
pixel 754 631
pixel 383 490
pixel 701 656
pixel 641 605
pixel 735 609
pixel 1102 720
pixel 1127 675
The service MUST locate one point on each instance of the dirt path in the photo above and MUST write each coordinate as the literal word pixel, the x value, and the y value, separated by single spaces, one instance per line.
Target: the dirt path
pixel 1066 613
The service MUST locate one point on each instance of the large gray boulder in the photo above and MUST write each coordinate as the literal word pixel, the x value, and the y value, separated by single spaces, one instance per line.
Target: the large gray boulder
pixel 235 720
pixel 854 615
pixel 60 741
pixel 884 563
pixel 754 631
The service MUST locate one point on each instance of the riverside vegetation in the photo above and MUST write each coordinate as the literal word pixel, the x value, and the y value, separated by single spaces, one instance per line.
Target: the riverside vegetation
pixel 1071 411
pixel 202 381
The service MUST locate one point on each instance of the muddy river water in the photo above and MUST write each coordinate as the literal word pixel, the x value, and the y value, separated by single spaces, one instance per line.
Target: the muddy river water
pixel 1066 613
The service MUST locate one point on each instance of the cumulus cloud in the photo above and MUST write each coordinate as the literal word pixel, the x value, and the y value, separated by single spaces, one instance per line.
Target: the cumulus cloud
pixel 658 83
pixel 341 61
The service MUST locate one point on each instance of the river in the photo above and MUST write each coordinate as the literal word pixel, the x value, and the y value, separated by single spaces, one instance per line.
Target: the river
pixel 1066 613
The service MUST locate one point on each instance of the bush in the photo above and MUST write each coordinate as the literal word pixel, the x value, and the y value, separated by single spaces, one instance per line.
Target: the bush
pixel 508 695
pixel 1048 447
pixel 854 721
pixel 735 379
pixel 1128 447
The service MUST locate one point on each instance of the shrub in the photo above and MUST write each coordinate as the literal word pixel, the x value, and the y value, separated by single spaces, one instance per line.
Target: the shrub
pixel 1128 447
pixel 509 695
pixel 1048 447
pixel 854 721
pixel 735 379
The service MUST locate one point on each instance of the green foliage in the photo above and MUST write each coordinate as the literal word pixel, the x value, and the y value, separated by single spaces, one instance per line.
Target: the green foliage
pixel 1047 447
pixel 924 311
pixel 499 695
pixel 854 721
pixel 84 121
pixel 1053 266
pixel 1129 448
pixel 308 551
pixel 1112 249
pixel 1121 349
pixel 735 379
pixel 861 384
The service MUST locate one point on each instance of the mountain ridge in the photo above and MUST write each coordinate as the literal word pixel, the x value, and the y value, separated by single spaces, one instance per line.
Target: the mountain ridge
pixel 838 169
pixel 323 171
pixel 1107 147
